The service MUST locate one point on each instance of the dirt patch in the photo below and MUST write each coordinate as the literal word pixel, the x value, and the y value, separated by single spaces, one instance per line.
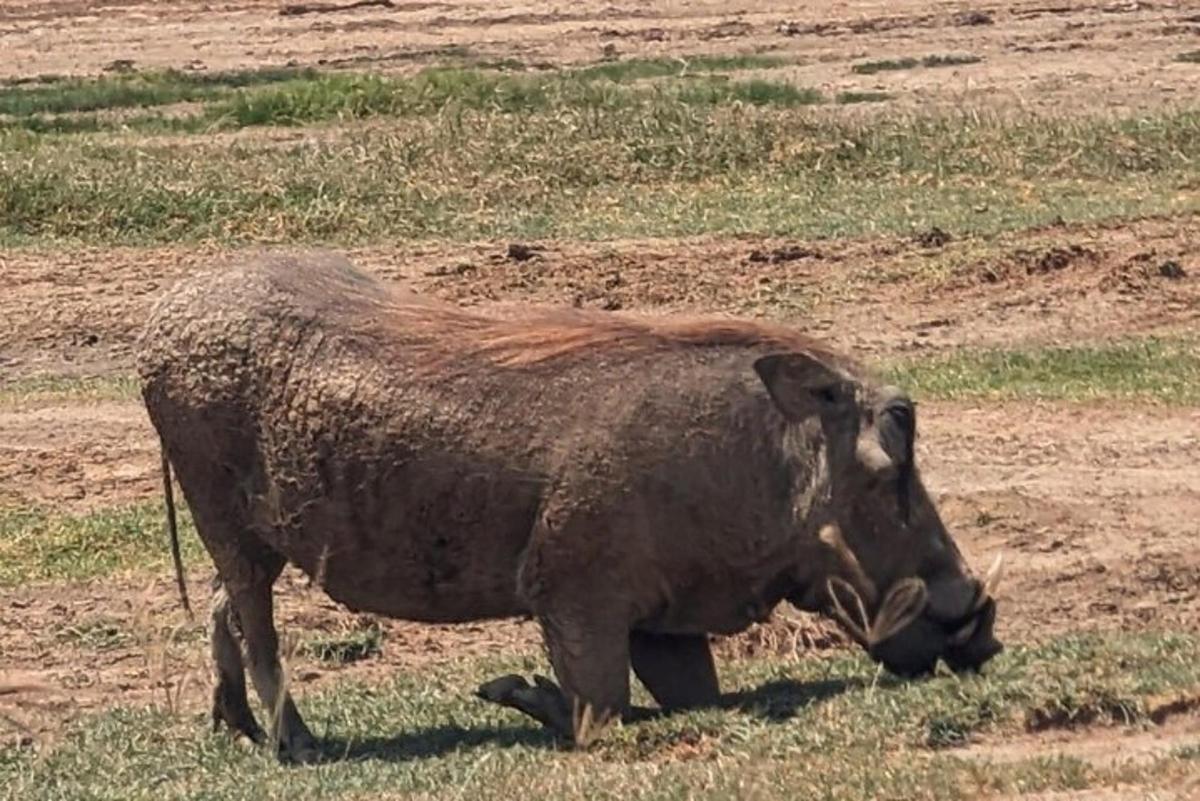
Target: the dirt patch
pixel 73 457
pixel 77 312
pixel 1070 56
pixel 1098 746
pixel 68 651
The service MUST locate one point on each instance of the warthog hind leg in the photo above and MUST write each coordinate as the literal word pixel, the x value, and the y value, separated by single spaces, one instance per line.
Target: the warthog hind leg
pixel 678 670
pixel 231 707
pixel 254 608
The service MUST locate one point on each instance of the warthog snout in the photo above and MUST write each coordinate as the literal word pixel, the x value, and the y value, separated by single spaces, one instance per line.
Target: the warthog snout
pixel 909 634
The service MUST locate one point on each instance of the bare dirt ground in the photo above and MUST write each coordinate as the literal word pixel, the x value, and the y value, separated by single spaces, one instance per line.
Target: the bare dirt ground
pixel 1108 54
pixel 77 312
pixel 1097 506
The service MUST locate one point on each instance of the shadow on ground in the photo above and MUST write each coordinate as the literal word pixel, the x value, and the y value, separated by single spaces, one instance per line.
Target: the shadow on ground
pixel 776 701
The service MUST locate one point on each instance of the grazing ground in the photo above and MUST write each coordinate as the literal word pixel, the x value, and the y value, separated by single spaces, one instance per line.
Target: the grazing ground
pixel 998 206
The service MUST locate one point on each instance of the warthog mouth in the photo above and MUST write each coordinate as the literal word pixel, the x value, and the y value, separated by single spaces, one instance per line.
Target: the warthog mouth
pixel 908 638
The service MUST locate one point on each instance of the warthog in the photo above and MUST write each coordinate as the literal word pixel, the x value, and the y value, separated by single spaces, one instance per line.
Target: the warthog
pixel 634 484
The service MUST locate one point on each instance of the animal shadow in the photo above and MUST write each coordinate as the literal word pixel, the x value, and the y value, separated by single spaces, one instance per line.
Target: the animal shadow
pixel 434 741
pixel 783 699
pixel 775 701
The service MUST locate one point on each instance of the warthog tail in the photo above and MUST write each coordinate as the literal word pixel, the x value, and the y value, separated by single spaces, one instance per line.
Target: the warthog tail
pixel 173 530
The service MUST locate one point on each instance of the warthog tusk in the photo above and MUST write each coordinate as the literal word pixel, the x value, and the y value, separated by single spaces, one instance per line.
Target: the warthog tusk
pixel 832 537
pixel 990 582
pixel 904 602
pixel 856 628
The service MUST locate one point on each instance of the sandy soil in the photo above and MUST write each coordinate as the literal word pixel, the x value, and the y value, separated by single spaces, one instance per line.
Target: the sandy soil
pixel 77 312
pixel 1112 54
pixel 1096 506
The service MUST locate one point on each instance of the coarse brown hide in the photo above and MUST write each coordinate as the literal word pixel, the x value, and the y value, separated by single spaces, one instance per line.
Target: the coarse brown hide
pixel 633 483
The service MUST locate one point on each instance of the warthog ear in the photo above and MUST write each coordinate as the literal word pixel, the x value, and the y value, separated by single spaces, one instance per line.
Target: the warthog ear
pixel 898 427
pixel 801 385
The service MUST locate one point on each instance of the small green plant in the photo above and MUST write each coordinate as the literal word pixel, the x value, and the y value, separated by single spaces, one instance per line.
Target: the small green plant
pixel 908 63
pixel 98 634
pixel 139 89
pixel 1191 57
pixel 345 648
pixel 884 65
pixel 949 61
pixel 848 98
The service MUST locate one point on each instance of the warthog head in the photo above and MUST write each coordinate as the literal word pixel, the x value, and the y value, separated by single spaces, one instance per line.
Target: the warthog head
pixel 894 577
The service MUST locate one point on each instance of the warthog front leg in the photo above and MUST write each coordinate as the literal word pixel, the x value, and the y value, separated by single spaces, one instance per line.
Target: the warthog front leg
pixel 230 707
pixel 543 700
pixel 590 655
pixel 678 670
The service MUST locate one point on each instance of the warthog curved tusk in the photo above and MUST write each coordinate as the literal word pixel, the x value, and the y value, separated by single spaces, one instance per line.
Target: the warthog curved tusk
pixel 832 537
pixel 904 602
pixel 990 582
pixel 856 628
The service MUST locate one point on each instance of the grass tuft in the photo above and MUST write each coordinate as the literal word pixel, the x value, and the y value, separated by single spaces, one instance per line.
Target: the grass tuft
pixel 1164 371
pixel 847 98
pixel 825 728
pixel 705 157
pixel 1191 57
pixel 141 89
pixel 884 65
pixel 908 63
pixel 636 69
pixel 41 545
pixel 51 388
pixel 342 649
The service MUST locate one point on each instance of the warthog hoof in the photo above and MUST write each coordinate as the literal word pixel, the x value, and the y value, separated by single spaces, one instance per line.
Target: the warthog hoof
pixel 299 751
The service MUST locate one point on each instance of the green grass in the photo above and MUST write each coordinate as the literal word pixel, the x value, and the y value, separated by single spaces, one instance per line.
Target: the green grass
pixel 349 96
pixel 636 69
pixel 340 649
pixel 658 168
pixel 846 98
pixel 908 63
pixel 949 61
pixel 44 545
pixel 1164 371
pixel 58 95
pixel 50 388
pixel 820 728
pixel 292 96
pixel 1191 57
pixel 884 65
pixel 136 90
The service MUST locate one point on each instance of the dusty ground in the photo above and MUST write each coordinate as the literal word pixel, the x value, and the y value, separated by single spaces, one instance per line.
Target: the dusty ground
pixel 1108 54
pixel 76 312
pixel 1097 507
